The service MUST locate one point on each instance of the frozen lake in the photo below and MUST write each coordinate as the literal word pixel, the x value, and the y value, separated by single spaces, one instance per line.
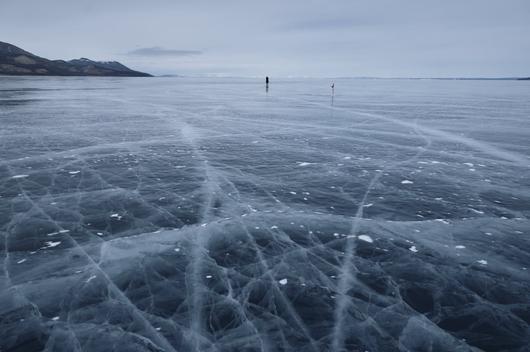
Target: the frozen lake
pixel 173 214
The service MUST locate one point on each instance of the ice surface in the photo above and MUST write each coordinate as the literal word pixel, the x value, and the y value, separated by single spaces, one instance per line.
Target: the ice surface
pixel 208 215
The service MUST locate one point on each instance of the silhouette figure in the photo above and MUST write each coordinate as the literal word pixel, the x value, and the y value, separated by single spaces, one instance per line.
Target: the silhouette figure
pixel 267 84
pixel 332 92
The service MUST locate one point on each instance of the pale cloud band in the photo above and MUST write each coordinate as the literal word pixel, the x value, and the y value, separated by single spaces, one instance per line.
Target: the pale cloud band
pixel 158 51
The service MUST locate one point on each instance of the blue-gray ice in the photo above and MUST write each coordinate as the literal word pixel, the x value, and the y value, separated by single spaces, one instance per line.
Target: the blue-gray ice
pixel 174 214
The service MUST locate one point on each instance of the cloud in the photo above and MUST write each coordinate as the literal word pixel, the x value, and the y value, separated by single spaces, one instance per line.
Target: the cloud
pixel 158 51
pixel 325 24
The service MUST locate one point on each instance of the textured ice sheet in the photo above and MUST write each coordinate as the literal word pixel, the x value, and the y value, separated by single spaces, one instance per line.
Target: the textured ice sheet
pixel 206 215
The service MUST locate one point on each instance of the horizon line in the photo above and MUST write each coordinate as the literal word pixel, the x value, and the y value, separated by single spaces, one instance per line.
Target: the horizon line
pixel 490 78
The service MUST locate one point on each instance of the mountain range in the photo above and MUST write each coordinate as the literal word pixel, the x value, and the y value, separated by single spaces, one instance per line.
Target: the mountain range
pixel 18 62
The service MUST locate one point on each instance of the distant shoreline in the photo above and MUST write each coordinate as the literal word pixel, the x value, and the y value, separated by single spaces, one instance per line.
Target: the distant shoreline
pixel 446 78
pixel 243 77
pixel 70 76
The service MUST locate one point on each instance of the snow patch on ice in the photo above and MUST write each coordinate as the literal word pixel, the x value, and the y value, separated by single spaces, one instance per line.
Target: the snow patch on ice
pixel 366 238
pixel 51 244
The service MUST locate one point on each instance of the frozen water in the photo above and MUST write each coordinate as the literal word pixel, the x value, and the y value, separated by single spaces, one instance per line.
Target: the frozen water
pixel 208 215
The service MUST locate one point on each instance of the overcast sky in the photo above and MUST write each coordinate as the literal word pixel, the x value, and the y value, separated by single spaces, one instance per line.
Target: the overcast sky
pixel 328 38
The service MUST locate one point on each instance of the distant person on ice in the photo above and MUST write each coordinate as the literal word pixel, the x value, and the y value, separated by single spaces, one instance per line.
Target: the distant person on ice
pixel 267 80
